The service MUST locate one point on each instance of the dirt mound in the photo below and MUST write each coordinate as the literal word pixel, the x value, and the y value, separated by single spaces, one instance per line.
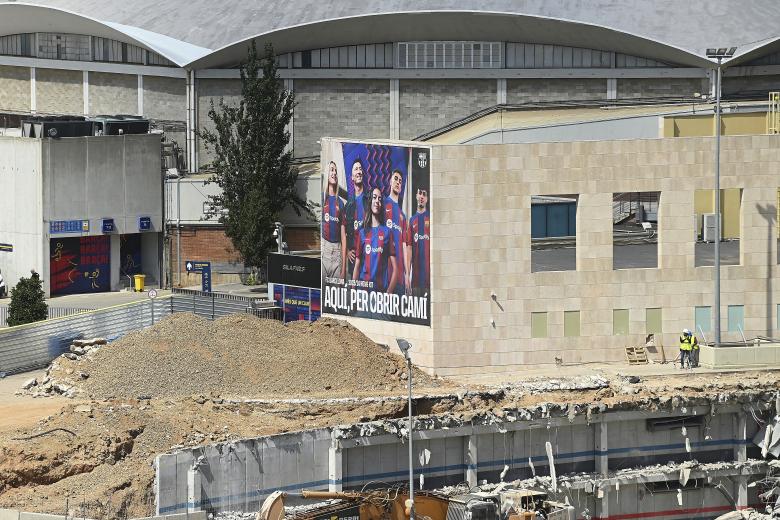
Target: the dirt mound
pixel 238 356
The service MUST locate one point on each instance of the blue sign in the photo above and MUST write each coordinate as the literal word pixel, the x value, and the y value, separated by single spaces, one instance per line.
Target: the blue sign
pixel 68 226
pixel 144 223
pixel 7 248
pixel 108 225
pixel 202 267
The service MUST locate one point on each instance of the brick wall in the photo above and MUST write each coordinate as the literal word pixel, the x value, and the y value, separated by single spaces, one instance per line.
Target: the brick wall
pixel 661 87
pixel 339 108
pixel 14 89
pixel 165 98
pixel 59 91
pixel 426 105
pixel 302 239
pixel 541 90
pixel 113 93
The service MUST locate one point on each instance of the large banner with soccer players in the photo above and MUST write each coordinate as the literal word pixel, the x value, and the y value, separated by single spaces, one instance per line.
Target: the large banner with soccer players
pixel 376 231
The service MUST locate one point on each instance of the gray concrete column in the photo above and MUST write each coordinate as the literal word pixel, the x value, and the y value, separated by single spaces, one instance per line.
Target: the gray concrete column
pixel 395 110
pixel 740 455
pixel 335 468
pixel 115 261
pixel 85 90
pixel 470 459
pixel 194 490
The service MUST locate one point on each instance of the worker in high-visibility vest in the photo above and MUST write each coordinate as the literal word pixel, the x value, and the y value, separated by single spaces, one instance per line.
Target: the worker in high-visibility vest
pixel 686 346
pixel 694 351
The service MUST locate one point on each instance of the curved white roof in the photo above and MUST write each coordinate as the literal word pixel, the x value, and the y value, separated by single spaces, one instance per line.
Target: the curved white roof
pixel 185 31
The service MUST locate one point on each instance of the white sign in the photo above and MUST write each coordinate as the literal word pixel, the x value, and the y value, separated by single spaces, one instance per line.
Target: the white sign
pixel 152 294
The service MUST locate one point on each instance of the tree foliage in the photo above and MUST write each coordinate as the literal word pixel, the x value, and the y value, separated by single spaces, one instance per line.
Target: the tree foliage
pixel 251 163
pixel 27 301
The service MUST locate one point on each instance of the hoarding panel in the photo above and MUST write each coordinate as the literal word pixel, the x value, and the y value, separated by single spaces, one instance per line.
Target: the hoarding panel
pixel 376 231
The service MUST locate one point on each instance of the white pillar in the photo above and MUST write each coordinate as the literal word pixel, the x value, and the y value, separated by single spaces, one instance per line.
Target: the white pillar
pixel 612 88
pixel 140 109
pixel 740 455
pixel 395 110
pixel 194 490
pixel 470 459
pixel 335 469
pixel 289 84
pixel 501 91
pixel 192 121
pixel 85 90
pixel 601 445
pixel 33 99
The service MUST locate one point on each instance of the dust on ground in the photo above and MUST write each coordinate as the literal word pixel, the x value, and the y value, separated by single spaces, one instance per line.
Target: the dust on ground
pixel 93 456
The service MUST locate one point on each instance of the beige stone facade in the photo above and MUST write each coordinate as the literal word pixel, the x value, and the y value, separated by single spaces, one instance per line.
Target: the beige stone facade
pixel 113 93
pixel 59 91
pixel 14 89
pixel 481 210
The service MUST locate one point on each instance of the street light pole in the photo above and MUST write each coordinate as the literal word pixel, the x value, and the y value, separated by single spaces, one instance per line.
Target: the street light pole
pixel 717 203
pixel 718 53
pixel 404 346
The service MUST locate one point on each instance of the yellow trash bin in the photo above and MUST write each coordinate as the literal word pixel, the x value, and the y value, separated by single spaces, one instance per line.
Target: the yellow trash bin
pixel 139 282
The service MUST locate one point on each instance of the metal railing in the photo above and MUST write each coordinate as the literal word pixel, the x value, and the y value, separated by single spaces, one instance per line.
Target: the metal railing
pixel 217 305
pixel 54 312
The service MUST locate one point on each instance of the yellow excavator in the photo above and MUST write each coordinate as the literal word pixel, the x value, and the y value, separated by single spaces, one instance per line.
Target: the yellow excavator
pixel 393 504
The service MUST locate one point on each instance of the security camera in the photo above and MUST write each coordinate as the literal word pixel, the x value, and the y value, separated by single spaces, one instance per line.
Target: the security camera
pixel 403 345
pixel 276 233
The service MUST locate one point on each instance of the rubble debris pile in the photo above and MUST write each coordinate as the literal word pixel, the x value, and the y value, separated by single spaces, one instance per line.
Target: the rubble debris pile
pixel 239 355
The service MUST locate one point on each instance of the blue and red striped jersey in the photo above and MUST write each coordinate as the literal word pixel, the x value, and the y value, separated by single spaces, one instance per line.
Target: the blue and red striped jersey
pixel 418 236
pixel 332 218
pixel 376 248
pixel 396 222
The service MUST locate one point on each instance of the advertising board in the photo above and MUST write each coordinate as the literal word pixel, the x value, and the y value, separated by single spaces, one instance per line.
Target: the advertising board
pixel 376 231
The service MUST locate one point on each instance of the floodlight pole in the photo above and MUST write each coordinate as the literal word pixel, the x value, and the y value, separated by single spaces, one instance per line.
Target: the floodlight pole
pixel 411 461
pixel 717 203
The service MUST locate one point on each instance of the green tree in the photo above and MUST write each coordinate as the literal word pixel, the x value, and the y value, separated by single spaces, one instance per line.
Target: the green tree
pixel 251 163
pixel 27 301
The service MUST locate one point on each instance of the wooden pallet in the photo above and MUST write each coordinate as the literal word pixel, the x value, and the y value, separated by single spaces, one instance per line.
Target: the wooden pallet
pixel 636 355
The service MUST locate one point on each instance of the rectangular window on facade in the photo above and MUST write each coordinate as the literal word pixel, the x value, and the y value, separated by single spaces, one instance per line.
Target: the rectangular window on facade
pixel 704 203
pixel 620 322
pixel 571 323
pixel 736 318
pixel 654 321
pixel 635 230
pixel 553 233
pixel 538 324
pixel 703 319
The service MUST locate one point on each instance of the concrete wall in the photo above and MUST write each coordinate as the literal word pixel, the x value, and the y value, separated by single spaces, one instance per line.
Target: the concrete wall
pixel 426 105
pixel 102 177
pixel 113 93
pixel 15 88
pixel 165 98
pixel 22 214
pixel 59 91
pixel 634 88
pixel 750 84
pixel 212 90
pixel 542 90
pixel 344 108
pixel 237 476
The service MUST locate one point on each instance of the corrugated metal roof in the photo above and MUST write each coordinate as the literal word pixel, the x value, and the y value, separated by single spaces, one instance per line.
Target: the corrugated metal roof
pixel 688 26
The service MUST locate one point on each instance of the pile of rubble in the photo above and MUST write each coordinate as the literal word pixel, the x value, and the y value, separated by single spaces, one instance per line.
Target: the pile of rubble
pixel 51 384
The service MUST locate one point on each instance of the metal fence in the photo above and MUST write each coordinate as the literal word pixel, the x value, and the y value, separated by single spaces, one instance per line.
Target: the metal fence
pixel 217 305
pixel 54 312
pixel 35 345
